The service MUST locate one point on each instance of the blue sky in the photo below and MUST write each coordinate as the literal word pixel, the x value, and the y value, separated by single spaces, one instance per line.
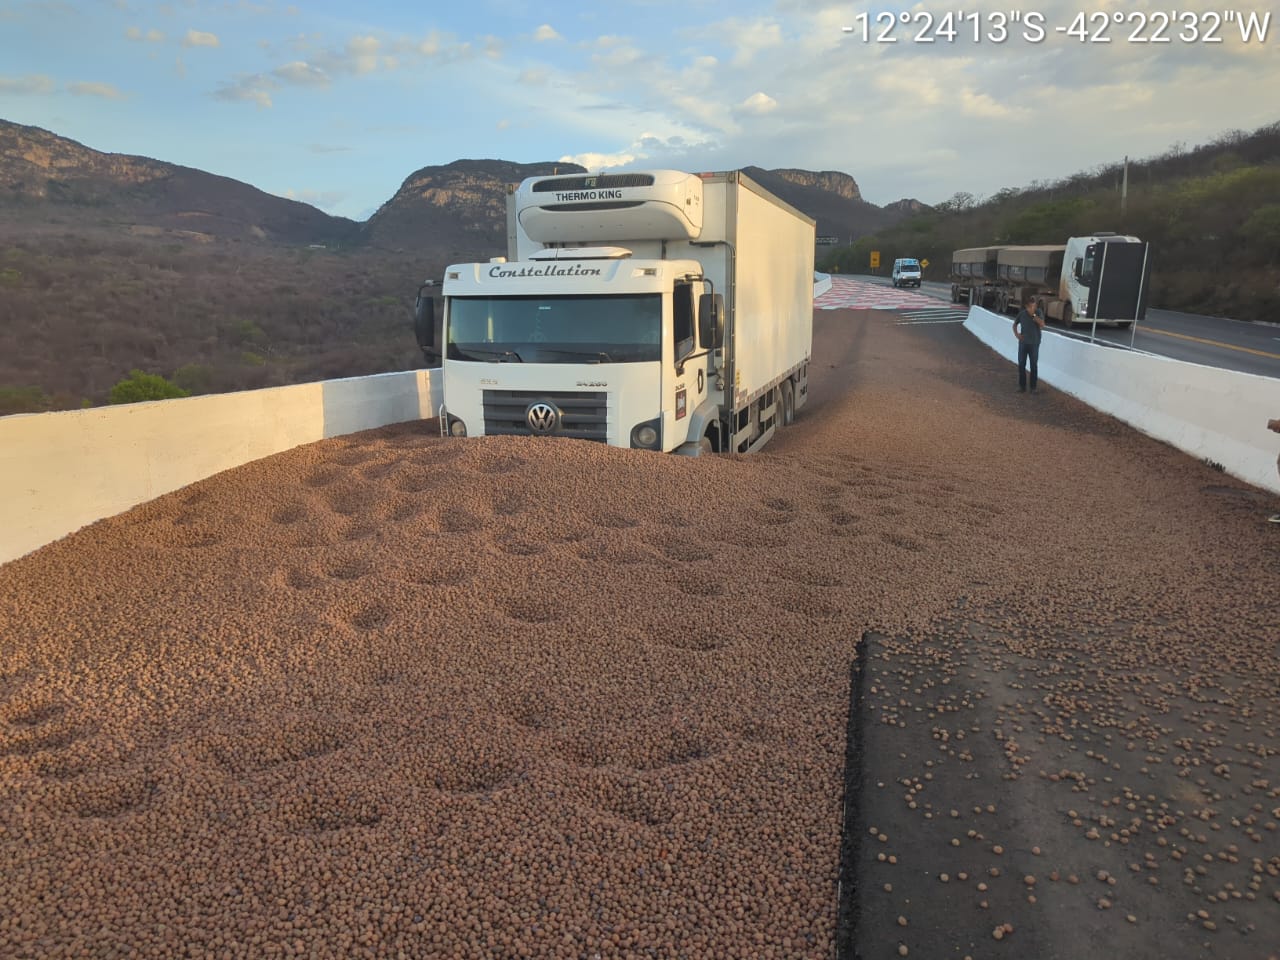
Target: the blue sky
pixel 337 103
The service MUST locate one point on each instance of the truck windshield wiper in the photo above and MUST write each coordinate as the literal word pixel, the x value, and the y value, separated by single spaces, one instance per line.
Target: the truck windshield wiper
pixel 595 356
pixel 500 356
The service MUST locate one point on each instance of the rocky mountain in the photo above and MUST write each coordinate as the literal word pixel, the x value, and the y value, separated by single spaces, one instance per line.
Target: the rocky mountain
pixel 830 197
pixel 907 206
pixel 828 181
pixel 42 174
pixel 458 210
pixel 455 211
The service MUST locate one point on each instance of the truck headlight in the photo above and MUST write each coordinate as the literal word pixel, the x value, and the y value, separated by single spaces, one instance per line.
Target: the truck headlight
pixel 645 436
pixel 457 428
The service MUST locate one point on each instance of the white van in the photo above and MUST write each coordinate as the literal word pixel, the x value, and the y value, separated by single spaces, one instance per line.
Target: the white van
pixel 906 273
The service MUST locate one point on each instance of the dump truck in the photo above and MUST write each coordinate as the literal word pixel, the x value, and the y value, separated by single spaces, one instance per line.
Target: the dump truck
pixel 1102 278
pixel 658 310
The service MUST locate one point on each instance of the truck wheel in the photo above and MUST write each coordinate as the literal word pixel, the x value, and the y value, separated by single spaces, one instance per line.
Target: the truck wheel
pixel 706 447
pixel 1068 316
pixel 975 297
pixel 788 401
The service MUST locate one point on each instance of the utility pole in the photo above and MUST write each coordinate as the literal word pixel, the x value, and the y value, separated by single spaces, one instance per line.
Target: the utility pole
pixel 1124 189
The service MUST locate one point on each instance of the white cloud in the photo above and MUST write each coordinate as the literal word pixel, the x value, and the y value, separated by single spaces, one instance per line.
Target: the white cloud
pixel 503 124
pixel 362 54
pixel 200 38
pixel 255 89
pixel 87 89
pixel 546 32
pixel 301 73
pixel 983 105
pixel 32 83
pixel 137 34
pixel 747 38
pixel 600 161
pixel 758 103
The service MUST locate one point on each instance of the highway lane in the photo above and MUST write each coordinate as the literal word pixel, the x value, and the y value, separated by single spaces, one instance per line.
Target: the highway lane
pixel 1212 341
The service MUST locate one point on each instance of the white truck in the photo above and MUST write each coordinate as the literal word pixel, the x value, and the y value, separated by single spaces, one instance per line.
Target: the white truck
pixel 1101 278
pixel 658 310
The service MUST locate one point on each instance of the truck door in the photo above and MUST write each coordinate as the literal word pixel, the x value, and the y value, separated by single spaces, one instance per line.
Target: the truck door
pixel 690 375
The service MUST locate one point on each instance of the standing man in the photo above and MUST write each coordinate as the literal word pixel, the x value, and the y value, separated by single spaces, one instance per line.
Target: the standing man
pixel 1026 327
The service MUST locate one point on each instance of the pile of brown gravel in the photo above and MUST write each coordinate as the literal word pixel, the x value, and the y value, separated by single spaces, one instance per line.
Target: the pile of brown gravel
pixel 392 695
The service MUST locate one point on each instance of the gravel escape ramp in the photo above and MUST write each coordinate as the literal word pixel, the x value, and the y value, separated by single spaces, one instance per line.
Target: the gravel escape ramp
pixel 396 696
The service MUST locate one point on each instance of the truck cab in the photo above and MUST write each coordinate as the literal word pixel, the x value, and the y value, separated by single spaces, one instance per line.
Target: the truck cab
pixel 1080 273
pixel 525 350
pixel 657 310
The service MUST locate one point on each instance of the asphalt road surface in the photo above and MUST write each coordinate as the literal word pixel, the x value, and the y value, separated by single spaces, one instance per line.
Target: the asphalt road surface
pixel 1212 341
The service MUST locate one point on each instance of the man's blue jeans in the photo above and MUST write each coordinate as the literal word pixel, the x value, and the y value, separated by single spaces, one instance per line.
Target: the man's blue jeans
pixel 1027 351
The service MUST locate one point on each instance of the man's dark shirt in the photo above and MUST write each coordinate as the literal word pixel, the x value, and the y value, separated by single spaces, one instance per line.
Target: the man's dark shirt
pixel 1027 326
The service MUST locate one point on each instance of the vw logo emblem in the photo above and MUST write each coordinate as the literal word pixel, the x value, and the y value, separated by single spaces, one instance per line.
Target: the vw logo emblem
pixel 542 417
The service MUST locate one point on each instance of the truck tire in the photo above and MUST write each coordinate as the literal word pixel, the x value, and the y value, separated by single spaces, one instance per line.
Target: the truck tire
pixel 788 401
pixel 1068 316
pixel 705 447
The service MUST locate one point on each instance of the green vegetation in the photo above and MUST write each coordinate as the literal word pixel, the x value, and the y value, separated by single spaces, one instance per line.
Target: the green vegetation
pixel 247 331
pixel 195 378
pixel 23 400
pixel 1212 216
pixel 141 386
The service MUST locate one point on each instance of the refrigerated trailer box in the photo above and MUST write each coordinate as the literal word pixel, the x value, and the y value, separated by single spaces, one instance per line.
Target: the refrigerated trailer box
pixel 659 310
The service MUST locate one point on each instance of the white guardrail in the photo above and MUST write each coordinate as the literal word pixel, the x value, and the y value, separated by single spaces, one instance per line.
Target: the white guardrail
pixel 60 471
pixel 821 284
pixel 1209 413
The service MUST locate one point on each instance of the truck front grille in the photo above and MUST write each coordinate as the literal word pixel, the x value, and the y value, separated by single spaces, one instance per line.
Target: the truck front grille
pixel 583 416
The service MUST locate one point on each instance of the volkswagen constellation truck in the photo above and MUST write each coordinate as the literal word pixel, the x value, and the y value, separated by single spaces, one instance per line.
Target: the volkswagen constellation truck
pixel 658 310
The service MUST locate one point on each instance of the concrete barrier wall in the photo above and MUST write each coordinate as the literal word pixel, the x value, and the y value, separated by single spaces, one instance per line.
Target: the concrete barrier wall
pixel 61 471
pixel 821 284
pixel 1211 414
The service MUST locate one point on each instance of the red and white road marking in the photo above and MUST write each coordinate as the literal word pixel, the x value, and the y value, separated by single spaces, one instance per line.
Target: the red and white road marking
pixel 847 294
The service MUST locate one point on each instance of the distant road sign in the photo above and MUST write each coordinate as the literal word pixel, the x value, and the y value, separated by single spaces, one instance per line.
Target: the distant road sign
pixel 924 263
pixel 875 259
pixel 827 241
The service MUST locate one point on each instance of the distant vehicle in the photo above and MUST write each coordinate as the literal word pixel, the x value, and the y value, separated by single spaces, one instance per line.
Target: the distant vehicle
pixel 1101 278
pixel 906 272
pixel 657 310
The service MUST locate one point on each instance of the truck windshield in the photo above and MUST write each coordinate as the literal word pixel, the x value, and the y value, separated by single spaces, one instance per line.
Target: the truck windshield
pixel 622 328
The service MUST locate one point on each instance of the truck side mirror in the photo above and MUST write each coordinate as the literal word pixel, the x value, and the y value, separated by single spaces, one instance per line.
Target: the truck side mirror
pixel 1077 268
pixel 711 320
pixel 424 321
